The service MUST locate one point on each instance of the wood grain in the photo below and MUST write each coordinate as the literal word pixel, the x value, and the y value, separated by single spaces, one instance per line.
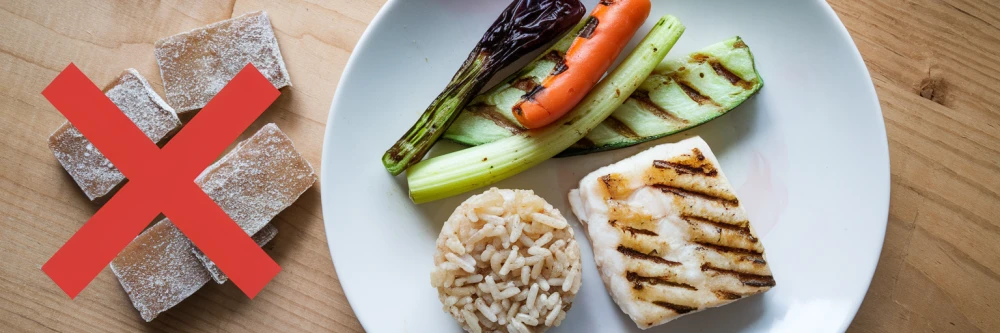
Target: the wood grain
pixel 935 68
pixel 934 64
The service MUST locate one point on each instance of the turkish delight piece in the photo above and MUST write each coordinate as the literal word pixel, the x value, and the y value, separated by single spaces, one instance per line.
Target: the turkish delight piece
pixel 158 269
pixel 93 172
pixel 258 179
pixel 252 183
pixel 195 65
pixel 262 237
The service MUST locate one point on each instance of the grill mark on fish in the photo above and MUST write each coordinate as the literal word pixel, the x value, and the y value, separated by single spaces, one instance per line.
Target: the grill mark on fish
pixel 743 227
pixel 697 154
pixel 635 254
pixel 492 113
pixel 725 294
pixel 620 128
pixel 607 180
pixel 588 28
pixel 633 230
pixel 693 93
pixel 646 104
pixel 685 169
pixel 637 279
pixel 684 193
pixel 615 186
pixel 748 279
pixel 730 76
pixel 680 309
pixel 525 84
pixel 727 248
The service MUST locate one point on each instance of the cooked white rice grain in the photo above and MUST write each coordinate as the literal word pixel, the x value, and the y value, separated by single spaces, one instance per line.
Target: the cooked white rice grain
pixel 455 246
pixel 520 325
pixel 532 295
pixel 508 293
pixel 539 251
pixel 464 265
pixel 526 240
pixel 449 280
pixel 536 270
pixel 569 280
pixel 497 256
pixel 545 239
pixel 485 310
pixel 553 300
pixel 513 309
pixel 555 312
pixel 471 322
pixel 515 233
pixel 525 275
pixel 544 284
pixel 549 221
pixel 521 296
pixel 523 318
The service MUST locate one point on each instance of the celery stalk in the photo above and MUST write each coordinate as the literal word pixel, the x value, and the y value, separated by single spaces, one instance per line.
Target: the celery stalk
pixel 474 167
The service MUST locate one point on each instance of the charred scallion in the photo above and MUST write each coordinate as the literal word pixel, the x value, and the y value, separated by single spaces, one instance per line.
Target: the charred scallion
pixel 523 26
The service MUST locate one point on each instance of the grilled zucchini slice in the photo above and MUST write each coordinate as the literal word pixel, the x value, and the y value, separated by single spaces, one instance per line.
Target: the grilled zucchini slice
pixel 680 94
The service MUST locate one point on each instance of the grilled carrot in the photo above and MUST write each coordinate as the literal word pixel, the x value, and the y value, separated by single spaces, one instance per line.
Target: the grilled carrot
pixel 607 31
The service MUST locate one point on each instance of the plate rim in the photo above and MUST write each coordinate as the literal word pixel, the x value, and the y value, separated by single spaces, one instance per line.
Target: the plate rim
pixel 347 73
pixel 883 142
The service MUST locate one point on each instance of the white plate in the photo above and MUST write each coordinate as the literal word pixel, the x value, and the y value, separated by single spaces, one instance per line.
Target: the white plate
pixel 808 156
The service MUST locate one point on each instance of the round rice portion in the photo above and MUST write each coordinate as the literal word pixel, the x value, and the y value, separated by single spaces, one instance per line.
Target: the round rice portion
pixel 506 261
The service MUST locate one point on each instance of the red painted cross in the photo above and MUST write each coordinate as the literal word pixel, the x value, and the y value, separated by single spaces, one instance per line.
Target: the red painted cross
pixel 160 180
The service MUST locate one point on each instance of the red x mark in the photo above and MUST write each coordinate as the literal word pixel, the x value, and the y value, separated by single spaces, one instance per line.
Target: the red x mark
pixel 160 180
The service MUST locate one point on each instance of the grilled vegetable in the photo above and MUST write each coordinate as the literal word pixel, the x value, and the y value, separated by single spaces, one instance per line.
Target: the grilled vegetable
pixel 605 34
pixel 522 27
pixel 680 94
pixel 467 169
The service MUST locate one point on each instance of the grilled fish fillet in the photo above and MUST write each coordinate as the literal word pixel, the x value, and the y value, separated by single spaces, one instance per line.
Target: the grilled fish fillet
pixel 669 235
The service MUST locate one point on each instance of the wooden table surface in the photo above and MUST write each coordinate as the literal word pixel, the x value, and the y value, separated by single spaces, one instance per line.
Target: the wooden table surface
pixel 935 65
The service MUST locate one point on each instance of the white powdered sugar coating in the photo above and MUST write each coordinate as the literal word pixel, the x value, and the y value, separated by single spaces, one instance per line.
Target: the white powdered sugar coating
pixel 261 177
pixel 137 99
pixel 262 237
pixel 252 184
pixel 195 65
pixel 93 172
pixel 158 270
